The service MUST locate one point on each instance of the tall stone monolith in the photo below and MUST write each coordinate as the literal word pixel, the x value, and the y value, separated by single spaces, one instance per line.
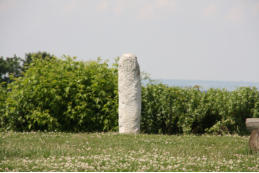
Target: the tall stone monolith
pixel 129 94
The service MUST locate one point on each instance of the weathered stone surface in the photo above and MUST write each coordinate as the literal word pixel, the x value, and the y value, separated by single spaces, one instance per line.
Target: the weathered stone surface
pixel 129 94
pixel 254 140
pixel 252 123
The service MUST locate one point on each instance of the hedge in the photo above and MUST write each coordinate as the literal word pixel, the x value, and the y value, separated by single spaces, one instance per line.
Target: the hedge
pixel 67 95
pixel 63 95
pixel 173 110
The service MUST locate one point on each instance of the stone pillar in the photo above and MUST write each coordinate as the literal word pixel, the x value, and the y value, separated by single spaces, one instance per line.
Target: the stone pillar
pixel 254 140
pixel 129 94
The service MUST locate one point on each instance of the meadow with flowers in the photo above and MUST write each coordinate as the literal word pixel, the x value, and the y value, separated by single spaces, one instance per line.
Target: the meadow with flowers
pixel 56 151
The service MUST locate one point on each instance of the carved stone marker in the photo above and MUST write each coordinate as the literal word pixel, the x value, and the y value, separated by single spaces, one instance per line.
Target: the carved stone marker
pixel 129 94
pixel 254 140
pixel 252 124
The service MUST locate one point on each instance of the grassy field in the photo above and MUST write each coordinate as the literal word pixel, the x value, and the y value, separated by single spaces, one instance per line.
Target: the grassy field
pixel 114 152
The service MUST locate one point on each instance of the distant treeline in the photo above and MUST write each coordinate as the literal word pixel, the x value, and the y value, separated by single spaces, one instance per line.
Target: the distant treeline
pixel 47 93
pixel 206 84
pixel 15 66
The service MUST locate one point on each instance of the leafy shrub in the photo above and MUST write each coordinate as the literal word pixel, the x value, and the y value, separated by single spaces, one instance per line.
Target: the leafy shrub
pixel 189 110
pixel 64 95
pixel 69 95
pixel 3 93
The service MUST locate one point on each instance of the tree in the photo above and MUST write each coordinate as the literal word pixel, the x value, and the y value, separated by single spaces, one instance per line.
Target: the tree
pixel 16 66
pixel 39 55
pixel 8 66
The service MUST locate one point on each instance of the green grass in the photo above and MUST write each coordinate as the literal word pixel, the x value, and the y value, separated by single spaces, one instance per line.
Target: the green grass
pixel 37 151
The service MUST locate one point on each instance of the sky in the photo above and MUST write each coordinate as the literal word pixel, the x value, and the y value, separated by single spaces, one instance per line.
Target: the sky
pixel 173 39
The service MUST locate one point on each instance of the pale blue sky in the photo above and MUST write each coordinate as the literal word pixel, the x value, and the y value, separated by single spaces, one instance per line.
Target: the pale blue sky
pixel 173 39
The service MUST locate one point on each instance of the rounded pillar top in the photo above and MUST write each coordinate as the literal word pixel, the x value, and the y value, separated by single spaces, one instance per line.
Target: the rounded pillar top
pixel 128 55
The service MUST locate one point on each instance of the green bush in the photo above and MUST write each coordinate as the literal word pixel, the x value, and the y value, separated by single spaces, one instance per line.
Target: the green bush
pixel 69 95
pixel 189 110
pixel 64 95
pixel 3 93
